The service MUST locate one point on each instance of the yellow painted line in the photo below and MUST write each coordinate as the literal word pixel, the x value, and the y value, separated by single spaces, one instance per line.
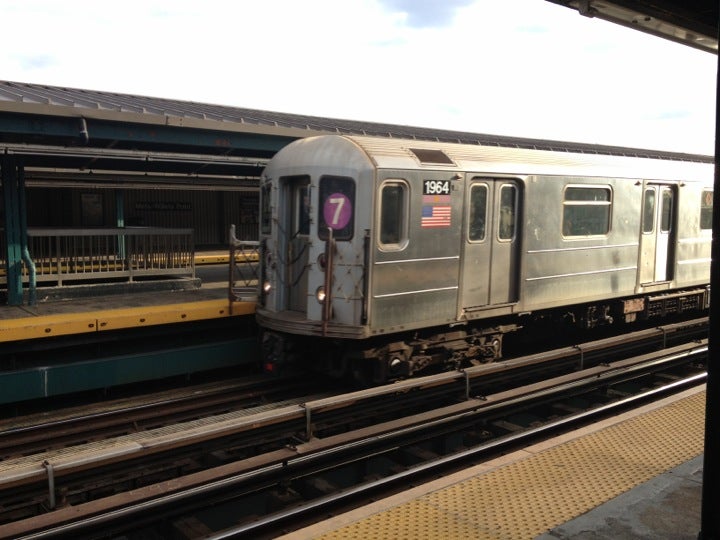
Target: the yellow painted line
pixel 165 314
pixel 210 258
pixel 115 319
pixel 242 308
pixel 47 326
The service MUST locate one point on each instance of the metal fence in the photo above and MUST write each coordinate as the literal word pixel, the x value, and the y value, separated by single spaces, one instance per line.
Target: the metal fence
pixel 106 253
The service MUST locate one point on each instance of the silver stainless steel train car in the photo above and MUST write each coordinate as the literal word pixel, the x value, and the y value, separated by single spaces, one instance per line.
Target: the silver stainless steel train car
pixel 383 256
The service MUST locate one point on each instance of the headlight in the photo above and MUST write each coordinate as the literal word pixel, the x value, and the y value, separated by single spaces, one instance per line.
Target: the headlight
pixel 266 287
pixel 320 294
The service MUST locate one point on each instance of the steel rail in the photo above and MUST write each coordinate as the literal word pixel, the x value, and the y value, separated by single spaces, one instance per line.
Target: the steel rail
pixel 30 471
pixel 309 410
pixel 170 405
pixel 312 452
pixel 425 468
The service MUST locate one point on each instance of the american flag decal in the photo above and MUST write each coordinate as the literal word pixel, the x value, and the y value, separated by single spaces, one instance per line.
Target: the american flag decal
pixel 435 216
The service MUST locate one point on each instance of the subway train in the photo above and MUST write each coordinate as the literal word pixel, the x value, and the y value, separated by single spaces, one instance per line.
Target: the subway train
pixel 381 257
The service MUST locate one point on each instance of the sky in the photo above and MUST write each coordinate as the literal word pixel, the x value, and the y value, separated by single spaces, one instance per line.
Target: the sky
pixel 524 68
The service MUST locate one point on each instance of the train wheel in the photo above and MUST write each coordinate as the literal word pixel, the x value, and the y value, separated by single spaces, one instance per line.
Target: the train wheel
pixel 369 372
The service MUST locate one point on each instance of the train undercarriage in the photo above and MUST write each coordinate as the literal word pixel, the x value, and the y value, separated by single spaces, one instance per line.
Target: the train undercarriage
pixel 396 356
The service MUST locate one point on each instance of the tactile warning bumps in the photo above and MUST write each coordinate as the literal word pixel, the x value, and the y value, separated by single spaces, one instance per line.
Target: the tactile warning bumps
pixel 529 497
pixel 418 519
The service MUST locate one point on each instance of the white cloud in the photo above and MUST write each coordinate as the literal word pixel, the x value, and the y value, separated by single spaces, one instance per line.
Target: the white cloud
pixel 525 68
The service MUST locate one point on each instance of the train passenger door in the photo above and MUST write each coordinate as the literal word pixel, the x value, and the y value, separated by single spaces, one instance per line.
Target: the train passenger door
pixel 657 257
pixel 491 243
pixel 298 242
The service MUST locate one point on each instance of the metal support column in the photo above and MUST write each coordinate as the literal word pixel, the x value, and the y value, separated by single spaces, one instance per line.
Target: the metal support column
pixel 13 229
pixel 120 221
pixel 120 207
pixel 710 517
pixel 27 259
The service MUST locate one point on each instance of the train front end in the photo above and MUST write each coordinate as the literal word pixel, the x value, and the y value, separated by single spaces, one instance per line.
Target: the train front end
pixel 313 247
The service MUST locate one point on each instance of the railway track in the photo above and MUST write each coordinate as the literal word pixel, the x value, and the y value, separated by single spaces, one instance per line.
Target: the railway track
pixel 286 460
pixel 51 431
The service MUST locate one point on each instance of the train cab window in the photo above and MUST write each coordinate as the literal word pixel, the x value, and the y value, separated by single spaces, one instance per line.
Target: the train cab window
pixel 706 209
pixel 508 209
pixel 586 211
pixel 265 212
pixel 336 208
pixel 393 215
pixel 478 212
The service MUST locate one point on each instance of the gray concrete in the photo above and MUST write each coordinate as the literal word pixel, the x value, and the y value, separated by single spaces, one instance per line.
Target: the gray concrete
pixel 664 508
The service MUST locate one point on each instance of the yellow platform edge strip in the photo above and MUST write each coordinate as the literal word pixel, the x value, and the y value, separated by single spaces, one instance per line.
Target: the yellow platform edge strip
pixel 221 259
pixel 528 493
pixel 114 319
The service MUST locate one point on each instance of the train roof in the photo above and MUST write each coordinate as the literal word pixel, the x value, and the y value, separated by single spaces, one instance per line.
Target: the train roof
pixel 388 153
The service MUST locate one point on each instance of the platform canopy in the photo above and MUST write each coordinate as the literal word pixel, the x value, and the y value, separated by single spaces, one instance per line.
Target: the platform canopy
pixel 690 22
pixel 69 136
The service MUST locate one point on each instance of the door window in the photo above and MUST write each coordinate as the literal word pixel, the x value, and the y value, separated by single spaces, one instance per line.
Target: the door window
pixel 302 216
pixel 649 211
pixel 706 209
pixel 478 212
pixel 666 211
pixel 508 204
pixel 265 213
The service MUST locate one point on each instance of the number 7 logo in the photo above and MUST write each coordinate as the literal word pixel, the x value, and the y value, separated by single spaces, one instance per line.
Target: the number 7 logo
pixel 339 202
pixel 337 210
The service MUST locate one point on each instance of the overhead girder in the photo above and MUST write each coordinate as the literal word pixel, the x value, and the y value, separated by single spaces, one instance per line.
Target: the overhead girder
pixel 88 160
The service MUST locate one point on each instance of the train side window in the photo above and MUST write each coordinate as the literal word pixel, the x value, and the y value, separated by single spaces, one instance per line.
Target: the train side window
pixel 508 208
pixel 649 211
pixel 393 215
pixel 478 212
pixel 336 208
pixel 706 209
pixel 586 211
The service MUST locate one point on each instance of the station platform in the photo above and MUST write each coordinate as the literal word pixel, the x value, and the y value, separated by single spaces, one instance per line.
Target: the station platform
pixel 634 476
pixel 64 318
pixel 79 309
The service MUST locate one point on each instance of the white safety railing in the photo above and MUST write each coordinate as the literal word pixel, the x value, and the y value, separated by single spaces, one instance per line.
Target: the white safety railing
pixel 107 253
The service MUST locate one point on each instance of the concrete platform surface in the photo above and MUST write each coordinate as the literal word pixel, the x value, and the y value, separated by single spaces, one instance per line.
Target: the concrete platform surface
pixel 664 508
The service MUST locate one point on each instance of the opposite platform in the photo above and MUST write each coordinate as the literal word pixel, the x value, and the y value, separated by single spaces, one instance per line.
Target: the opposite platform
pixel 79 309
pixel 540 489
pixel 47 352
